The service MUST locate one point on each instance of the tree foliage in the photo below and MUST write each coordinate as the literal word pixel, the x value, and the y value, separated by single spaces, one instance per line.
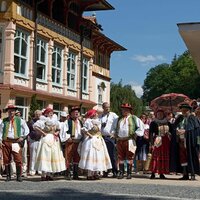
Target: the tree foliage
pixel 124 94
pixel 33 106
pixel 181 76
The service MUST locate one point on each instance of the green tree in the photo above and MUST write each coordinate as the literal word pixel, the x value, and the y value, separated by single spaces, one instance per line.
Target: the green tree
pixel 124 94
pixel 33 106
pixel 181 76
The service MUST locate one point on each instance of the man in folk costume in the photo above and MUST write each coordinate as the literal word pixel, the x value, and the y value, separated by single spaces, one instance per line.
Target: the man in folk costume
pixel 72 143
pixel 128 128
pixel 188 129
pixel 13 130
pixel 108 121
pixel 34 138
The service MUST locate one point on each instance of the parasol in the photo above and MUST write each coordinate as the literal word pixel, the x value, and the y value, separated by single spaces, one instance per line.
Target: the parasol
pixel 169 102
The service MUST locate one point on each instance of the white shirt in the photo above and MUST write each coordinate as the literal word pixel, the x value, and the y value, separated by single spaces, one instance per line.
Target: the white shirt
pixel 110 120
pixel 124 127
pixel 63 131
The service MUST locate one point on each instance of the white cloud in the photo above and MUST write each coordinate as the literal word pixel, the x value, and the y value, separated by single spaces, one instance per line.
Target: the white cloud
pixel 137 88
pixel 148 58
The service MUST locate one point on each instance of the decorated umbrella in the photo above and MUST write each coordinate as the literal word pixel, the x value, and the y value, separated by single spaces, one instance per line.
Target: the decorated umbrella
pixel 169 102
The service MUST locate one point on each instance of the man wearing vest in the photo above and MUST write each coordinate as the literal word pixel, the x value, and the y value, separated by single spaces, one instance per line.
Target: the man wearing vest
pixel 128 127
pixel 71 145
pixel 13 130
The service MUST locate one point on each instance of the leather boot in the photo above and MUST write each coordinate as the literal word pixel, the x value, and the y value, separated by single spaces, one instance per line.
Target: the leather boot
pixel 8 175
pixel 129 170
pixel 75 172
pixel 185 174
pixel 19 173
pixel 68 174
pixel 121 171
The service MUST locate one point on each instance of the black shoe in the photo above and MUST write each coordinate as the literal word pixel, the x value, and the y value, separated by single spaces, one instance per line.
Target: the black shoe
pixel 185 177
pixel 8 178
pixel 120 175
pixel 152 176
pixel 105 175
pixel 114 175
pixel 19 179
pixel 162 176
pixel 128 176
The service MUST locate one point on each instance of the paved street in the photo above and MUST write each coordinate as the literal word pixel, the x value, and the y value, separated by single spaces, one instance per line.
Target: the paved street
pixel 140 187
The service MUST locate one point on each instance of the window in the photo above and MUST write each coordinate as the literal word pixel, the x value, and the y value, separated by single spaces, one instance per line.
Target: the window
pixel 42 104
pixel 57 109
pixel 100 95
pixel 85 75
pixel 41 59
pixel 21 52
pixel 21 103
pixel 57 65
pixel 71 70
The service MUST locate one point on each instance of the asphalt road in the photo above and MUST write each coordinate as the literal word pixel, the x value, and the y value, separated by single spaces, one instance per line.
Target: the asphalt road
pixel 139 187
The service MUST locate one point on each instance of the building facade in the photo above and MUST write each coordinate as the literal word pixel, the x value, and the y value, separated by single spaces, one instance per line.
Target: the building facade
pixel 49 49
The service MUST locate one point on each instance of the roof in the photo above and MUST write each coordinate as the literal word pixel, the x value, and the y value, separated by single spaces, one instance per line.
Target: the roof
pixel 94 5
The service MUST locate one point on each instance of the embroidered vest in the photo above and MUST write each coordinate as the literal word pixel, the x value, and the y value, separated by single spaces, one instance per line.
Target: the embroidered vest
pixel 132 125
pixel 16 126
pixel 71 125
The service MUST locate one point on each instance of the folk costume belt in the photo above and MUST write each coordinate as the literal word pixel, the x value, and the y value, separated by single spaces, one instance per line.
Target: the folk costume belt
pixel 13 140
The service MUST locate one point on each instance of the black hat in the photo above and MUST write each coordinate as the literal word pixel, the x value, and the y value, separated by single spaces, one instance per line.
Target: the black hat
pixel 185 105
pixel 74 108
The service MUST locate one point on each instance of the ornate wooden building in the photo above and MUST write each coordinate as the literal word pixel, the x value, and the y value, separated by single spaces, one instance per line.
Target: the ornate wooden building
pixel 48 48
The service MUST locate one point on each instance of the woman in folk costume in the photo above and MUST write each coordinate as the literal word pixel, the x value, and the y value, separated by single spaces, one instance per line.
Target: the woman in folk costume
pixel 128 128
pixel 94 153
pixel 160 131
pixel 49 157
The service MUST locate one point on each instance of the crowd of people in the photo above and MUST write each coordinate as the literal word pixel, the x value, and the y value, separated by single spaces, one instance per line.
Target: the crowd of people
pixel 101 144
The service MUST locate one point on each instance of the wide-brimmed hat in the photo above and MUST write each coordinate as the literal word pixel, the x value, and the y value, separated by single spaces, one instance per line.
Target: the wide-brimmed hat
pixel 63 114
pixel 11 107
pixel 74 108
pixel 127 106
pixel 185 105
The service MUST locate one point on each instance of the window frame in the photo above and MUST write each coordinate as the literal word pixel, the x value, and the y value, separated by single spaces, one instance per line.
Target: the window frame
pixel 85 75
pixel 72 57
pixel 58 52
pixel 42 45
pixel 22 33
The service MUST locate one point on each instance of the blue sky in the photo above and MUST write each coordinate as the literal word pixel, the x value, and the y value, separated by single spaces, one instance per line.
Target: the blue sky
pixel 148 30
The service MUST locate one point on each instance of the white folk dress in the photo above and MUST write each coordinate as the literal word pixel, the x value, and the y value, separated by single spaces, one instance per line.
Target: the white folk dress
pixel 94 154
pixel 49 155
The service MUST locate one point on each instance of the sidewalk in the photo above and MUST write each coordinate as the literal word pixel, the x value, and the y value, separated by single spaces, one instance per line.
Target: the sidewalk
pixel 142 179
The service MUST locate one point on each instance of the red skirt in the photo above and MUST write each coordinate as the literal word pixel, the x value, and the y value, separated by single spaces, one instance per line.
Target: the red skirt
pixel 160 157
